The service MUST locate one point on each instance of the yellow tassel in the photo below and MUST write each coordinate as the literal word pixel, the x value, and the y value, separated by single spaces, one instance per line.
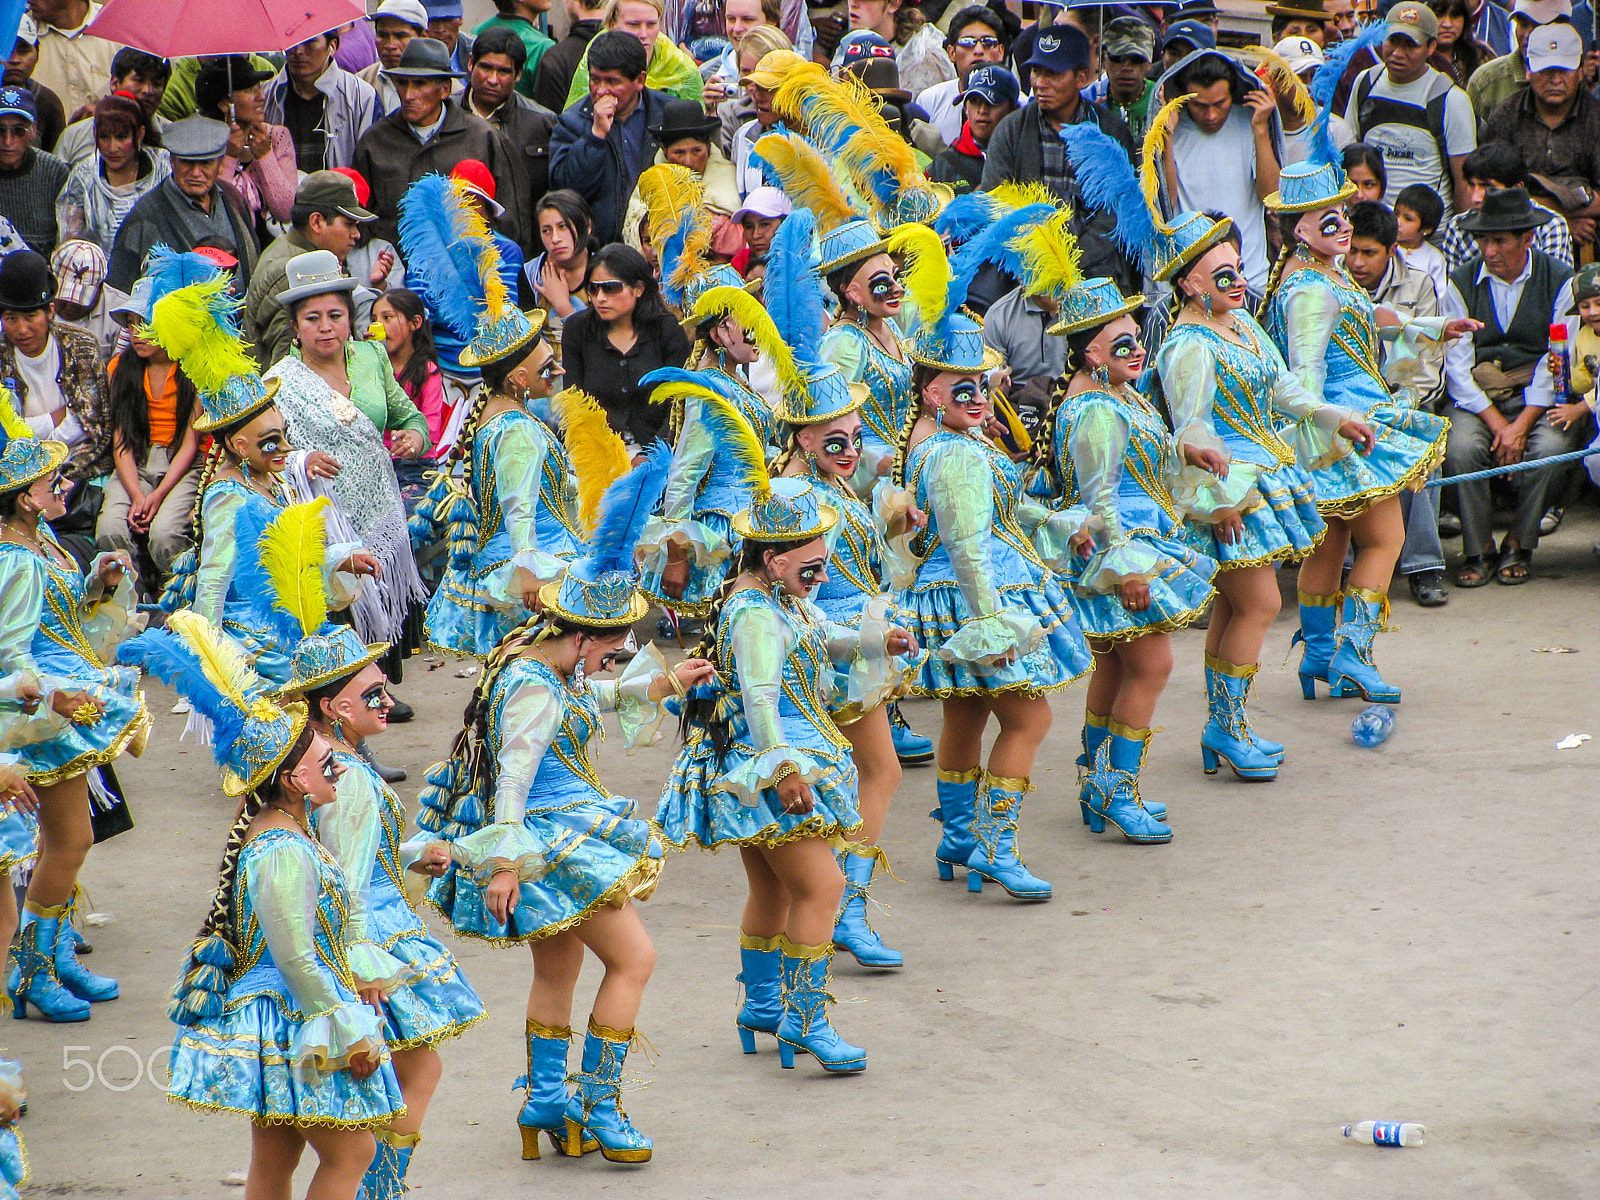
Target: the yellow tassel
pixel 807 179
pixel 1285 83
pixel 1050 256
pixel 599 457
pixel 10 419
pixel 292 550
pixel 927 274
pixel 1155 144
pixel 185 323
pixel 221 659
pixel 747 310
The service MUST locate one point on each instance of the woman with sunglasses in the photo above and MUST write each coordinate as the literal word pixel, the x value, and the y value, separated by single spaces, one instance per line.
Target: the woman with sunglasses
pixel 61 626
pixel 544 855
pixel 271 1022
pixel 1325 324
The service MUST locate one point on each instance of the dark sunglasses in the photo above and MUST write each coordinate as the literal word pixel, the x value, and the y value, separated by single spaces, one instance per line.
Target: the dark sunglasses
pixel 972 43
pixel 611 287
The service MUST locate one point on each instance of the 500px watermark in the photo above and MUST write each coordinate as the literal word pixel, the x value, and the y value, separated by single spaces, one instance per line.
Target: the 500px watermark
pixel 116 1068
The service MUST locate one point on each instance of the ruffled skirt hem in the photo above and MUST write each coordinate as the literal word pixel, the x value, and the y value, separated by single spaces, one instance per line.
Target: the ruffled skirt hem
pixel 936 615
pixel 1410 445
pixel 1179 593
pixel 1285 527
pixel 694 809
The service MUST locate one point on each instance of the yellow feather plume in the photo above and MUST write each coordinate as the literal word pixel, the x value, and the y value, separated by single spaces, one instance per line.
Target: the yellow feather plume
pixel 731 433
pixel 1050 257
pixel 673 194
pixel 806 179
pixel 1155 144
pixel 190 326
pixel 926 277
pixel 1283 80
pixel 599 457
pixel 1014 195
pixel 10 419
pixel 221 658
pixel 747 310
pixel 496 300
pixel 292 549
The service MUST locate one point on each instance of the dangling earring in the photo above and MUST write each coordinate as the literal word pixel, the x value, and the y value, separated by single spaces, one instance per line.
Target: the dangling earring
pixel 577 675
pixel 338 730
pixel 938 417
pixel 722 359
pixel 1101 375
pixel 811 462
pixel 1205 298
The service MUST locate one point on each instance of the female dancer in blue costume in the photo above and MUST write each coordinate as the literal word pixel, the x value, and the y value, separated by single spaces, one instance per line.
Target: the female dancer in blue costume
pixel 1329 330
pixel 509 513
pixel 61 626
pixel 1000 631
pixel 399 968
pixel 687 544
pixel 763 766
pixel 544 854
pixel 271 1024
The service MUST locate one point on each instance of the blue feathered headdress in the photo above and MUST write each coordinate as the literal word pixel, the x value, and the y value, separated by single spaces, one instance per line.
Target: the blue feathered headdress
pixel 1325 83
pixel 1106 181
pixel 441 256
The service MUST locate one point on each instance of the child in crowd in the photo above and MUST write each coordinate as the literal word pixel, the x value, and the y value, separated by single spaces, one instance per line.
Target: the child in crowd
pixel 1418 211
pixel 1583 354
pixel 1363 165
pixel 400 318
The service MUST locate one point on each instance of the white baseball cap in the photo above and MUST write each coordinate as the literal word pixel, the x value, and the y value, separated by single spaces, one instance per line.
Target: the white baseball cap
pixel 1558 45
pixel 766 202
pixel 1301 53
pixel 1542 12
pixel 410 11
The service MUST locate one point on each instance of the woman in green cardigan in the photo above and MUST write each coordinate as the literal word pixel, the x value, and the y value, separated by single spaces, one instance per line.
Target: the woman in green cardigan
pixel 339 395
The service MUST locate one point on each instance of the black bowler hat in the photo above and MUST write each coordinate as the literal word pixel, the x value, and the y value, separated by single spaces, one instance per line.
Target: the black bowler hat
pixel 684 119
pixel 1505 210
pixel 26 284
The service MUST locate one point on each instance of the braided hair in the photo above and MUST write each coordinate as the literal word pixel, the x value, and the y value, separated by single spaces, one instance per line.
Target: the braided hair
pixel 921 376
pixel 1287 223
pixel 1044 447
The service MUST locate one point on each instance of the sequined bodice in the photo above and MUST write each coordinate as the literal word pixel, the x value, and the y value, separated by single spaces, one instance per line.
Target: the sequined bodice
pixel 806 673
pixel 1143 477
pixel 61 620
pixel 1005 480
pixel 328 926
pixel 1241 408
pixel 1353 344
pixel 855 561
pixel 888 379
pixel 567 756
pixel 552 515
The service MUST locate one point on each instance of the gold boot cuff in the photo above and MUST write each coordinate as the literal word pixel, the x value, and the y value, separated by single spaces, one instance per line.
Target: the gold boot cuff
pixel 1366 594
pixel 1233 670
pixel 967 776
pixel 1098 720
pixel 1307 600
pixel 749 941
pixel 1009 785
pixel 1120 730
pixel 609 1034
pixel 46 914
pixel 809 953
pixel 553 1032
pixel 399 1141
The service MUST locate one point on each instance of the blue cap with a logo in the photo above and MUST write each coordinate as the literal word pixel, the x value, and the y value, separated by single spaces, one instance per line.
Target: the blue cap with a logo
pixel 1061 48
pixel 862 45
pixel 1197 33
pixel 18 102
pixel 992 85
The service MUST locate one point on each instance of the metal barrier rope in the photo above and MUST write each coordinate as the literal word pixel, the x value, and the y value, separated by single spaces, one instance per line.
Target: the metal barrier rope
pixel 1533 465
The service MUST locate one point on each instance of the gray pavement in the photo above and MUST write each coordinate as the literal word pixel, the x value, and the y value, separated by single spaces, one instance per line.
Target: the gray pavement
pixel 1404 934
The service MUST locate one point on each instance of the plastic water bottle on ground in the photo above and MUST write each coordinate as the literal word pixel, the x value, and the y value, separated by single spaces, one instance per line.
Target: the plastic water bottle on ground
pixel 1387 1133
pixel 1373 727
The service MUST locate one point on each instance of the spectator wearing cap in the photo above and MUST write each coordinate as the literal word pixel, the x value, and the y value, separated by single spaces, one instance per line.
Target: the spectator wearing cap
pixel 526 19
pixel 758 218
pixel 559 66
pixel 736 109
pixel 687 136
pixel 1304 57
pixel 1202 11
pixel 1299 18
pixel 177 98
pixel 1499 165
pixel 444 25
pixel 1027 147
pixel 261 165
pixel 52 118
pixel 394 24
pixel 918 45
pixel 140 76
pixel 990 98
pixel 759 83
pixel 326 216
pixel 374 263
pixel 1498 80
pixel 1126 89
pixel 603 143
pixel 30 178
pixel 1183 38
pixel 73 64
pixel 325 108
pixel 1499 382
pixel 186 207
pixel 102 190
pixel 1421 121
pixel 430 132
pixel 977 38
pixel 53 370
pixel 668 68
pixel 1555 125
pixel 82 300
pixel 493 68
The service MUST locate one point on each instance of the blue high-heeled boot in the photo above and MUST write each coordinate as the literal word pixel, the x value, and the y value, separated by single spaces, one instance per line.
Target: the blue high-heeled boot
pixel 1095 730
pixel 33 979
pixel 958 798
pixel 1271 749
pixel 595 1109
pixel 852 931
pixel 545 1109
pixel 1352 671
pixel 910 747
pixel 762 975
pixel 1226 736
pixel 75 977
pixel 805 1012
pixel 1114 784
pixel 386 1176
pixel 1318 615
pixel 994 829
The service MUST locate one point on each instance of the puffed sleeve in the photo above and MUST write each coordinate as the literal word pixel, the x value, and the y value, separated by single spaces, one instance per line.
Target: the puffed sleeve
pixel 1098 443
pixel 284 888
pixel 219 554
pixel 674 524
pixel 1188 371
pixel 530 717
pixel 351 829
pixel 519 456
pixel 1314 435
pixel 629 697
pixel 760 638
pixel 110 620
pixel 1310 313
pixel 22 577
pixel 19 728
pixel 891 506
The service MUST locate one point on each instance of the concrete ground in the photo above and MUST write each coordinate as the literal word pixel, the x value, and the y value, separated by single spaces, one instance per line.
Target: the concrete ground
pixel 1404 934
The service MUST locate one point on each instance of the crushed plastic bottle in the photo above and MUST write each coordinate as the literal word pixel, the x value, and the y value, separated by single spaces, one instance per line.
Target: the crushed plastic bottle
pixel 1387 1133
pixel 1373 727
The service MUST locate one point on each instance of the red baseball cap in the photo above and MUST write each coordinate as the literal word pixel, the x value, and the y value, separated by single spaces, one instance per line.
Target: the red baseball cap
pixel 475 177
pixel 218 256
pixel 363 188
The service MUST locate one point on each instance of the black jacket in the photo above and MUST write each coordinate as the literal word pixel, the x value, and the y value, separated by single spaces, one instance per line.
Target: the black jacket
pixel 596 170
pixel 527 127
pixel 964 172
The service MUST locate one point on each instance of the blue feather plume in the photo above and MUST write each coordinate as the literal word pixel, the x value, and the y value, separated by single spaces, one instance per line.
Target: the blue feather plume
pixel 968 215
pixel 993 246
pixel 1106 180
pixel 1320 147
pixel 715 380
pixel 441 264
pixel 163 654
pixel 627 504
pixel 793 292
pixel 168 270
pixel 249 523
